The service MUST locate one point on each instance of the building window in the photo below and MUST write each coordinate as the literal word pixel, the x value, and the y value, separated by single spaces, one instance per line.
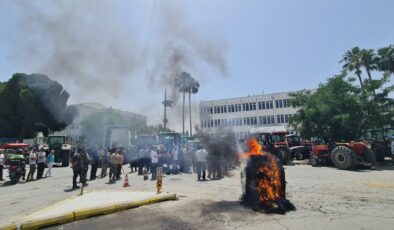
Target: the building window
pixel 280 104
pixel 252 106
pixel 287 118
pixel 282 118
pixel 285 103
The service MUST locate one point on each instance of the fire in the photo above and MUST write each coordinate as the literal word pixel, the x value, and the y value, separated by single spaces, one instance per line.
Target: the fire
pixel 265 180
pixel 255 149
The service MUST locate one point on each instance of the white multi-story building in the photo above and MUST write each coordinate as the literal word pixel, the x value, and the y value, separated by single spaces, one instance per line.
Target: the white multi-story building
pixel 73 131
pixel 243 113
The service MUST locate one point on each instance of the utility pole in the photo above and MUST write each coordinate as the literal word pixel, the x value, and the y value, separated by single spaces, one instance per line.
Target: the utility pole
pixel 166 103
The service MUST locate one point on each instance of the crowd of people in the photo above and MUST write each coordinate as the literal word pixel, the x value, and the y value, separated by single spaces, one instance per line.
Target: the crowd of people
pixel 145 161
pixel 175 159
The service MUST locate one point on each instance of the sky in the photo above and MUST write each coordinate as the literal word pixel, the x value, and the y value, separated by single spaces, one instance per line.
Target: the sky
pixel 124 53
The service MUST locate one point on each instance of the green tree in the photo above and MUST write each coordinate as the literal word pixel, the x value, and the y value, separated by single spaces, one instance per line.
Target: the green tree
pixel 193 89
pixel 182 82
pixel 353 63
pixel 331 112
pixel 31 103
pixel 368 60
pixel 338 110
pixel 385 59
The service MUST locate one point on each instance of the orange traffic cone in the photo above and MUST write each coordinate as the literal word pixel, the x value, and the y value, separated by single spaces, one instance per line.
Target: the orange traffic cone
pixel 126 182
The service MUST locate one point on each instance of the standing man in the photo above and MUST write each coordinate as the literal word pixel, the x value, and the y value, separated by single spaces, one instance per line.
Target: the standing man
pixel 140 159
pixel 85 166
pixel 154 162
pixel 201 162
pixel 175 158
pixel 41 160
pixel 50 161
pixel 119 163
pixel 95 163
pixel 1 165
pixel 104 163
pixel 32 164
pixel 76 164
pixel 112 168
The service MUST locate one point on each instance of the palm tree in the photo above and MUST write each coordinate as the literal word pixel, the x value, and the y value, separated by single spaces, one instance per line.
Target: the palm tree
pixel 352 60
pixel 385 59
pixel 193 89
pixel 368 60
pixel 182 82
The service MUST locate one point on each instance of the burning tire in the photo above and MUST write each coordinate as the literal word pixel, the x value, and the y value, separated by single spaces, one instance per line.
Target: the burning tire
pixel 314 161
pixel 369 158
pixel 343 158
pixel 265 185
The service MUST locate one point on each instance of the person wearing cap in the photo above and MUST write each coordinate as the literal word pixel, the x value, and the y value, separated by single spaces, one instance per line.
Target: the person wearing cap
pixel 201 162
pixel 50 161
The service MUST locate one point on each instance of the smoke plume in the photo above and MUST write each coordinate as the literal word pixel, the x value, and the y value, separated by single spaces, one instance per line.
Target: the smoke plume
pixel 89 48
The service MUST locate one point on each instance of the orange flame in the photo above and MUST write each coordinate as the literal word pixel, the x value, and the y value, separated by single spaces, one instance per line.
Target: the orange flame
pixel 269 183
pixel 255 149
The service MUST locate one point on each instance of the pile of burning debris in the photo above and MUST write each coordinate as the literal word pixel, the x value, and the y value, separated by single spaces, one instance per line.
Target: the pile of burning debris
pixel 264 182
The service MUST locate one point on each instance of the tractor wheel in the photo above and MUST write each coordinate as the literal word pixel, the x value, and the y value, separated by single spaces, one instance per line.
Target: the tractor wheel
pixel 283 156
pixel 299 156
pixel 314 161
pixel 369 158
pixel 379 151
pixel 343 157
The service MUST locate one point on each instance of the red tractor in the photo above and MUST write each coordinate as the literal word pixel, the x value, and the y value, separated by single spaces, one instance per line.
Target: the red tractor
pixel 346 156
pixel 273 141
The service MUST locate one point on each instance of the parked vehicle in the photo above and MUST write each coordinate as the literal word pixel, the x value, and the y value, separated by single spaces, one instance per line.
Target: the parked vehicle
pixel 273 140
pixel 299 149
pixel 11 150
pixel 16 168
pixel 347 156
pixel 59 143
pixel 379 142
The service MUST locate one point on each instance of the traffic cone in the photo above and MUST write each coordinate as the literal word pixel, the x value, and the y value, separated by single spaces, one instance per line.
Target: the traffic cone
pixel 126 182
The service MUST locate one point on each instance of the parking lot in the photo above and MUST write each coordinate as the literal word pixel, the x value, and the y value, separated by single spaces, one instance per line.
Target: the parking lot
pixel 325 197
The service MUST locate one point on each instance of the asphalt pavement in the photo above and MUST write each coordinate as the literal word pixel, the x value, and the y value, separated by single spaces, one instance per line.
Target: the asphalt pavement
pixel 325 198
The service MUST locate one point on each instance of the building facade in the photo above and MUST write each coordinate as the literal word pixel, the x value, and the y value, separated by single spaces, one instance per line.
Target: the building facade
pixel 73 131
pixel 244 113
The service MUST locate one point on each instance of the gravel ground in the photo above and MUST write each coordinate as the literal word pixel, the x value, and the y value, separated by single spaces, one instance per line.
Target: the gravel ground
pixel 325 197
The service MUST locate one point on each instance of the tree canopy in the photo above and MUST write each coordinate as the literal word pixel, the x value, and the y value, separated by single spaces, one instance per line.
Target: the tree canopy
pixel 32 103
pixel 340 109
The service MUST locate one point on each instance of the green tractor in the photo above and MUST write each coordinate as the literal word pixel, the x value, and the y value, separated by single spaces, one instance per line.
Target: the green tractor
pixel 379 141
pixel 62 149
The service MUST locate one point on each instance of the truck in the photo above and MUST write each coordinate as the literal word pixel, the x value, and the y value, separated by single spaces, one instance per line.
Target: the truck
pixel 62 148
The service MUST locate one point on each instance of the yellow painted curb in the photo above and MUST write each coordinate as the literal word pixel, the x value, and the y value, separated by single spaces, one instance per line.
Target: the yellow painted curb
pixel 9 227
pixel 38 223
pixel 31 223
pixel 84 213
pixel 128 205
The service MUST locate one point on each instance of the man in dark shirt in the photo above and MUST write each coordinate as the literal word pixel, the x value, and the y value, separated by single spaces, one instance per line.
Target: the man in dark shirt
pixel 76 164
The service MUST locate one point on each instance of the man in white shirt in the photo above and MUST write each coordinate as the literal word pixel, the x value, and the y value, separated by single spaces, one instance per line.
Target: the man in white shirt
pixel 32 164
pixel 41 160
pixel 201 162
pixel 2 159
pixel 154 162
